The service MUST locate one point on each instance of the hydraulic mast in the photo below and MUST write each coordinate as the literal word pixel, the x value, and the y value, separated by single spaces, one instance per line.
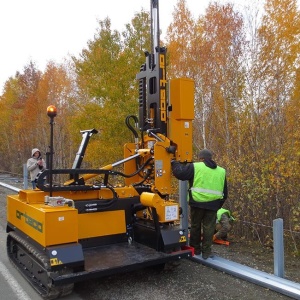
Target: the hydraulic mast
pixel 153 82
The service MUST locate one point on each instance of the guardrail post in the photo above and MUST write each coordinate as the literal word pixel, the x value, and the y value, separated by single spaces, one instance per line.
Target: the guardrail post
pixel 278 247
pixel 25 177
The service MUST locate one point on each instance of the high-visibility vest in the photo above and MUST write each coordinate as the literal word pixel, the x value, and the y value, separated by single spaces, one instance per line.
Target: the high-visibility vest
pixel 208 183
pixel 222 211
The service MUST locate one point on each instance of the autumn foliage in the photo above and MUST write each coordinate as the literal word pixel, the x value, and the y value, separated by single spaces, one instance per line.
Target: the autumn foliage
pixel 246 68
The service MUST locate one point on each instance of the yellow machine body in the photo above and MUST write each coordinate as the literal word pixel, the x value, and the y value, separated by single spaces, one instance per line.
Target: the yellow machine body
pixel 162 163
pixel 58 225
pixel 108 223
pixel 45 224
pixel 167 211
pixel 181 116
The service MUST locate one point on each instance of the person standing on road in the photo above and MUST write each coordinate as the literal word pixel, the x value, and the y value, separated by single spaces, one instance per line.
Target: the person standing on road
pixel 224 220
pixel 35 164
pixel 207 193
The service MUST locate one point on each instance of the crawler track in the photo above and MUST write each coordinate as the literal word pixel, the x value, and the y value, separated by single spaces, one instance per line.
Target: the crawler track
pixel 35 267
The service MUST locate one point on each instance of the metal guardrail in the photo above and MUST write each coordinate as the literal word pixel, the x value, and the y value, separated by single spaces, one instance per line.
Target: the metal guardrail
pixel 272 282
pixel 10 187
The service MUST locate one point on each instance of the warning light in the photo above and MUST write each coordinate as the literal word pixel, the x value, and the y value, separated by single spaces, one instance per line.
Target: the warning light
pixel 51 111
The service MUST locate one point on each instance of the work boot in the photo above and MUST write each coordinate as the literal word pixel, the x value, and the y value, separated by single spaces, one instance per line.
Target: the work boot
pixel 206 256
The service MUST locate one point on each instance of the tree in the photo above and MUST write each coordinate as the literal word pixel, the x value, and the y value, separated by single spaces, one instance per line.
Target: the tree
pixel 210 52
pixel 7 115
pixel 57 88
pixel 106 78
pixel 24 102
pixel 179 40
pixel 275 73
pixel 19 99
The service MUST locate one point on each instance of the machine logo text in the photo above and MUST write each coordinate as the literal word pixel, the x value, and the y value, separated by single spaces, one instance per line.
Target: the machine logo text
pixel 30 221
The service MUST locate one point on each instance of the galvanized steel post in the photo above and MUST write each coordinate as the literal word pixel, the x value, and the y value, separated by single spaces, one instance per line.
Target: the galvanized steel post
pixel 25 177
pixel 278 247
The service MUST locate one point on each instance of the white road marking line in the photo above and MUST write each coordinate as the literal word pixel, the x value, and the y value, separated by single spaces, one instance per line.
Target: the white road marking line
pixel 18 291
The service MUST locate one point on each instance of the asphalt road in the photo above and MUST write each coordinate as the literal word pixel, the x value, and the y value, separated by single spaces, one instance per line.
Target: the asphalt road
pixel 189 281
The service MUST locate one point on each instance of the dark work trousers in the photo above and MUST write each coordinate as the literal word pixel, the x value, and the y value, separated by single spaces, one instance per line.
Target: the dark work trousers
pixel 205 220
pixel 224 227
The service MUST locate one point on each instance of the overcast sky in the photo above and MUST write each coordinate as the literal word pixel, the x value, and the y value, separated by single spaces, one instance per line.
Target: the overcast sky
pixel 41 30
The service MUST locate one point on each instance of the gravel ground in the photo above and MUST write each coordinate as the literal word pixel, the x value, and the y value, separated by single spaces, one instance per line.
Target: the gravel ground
pixel 190 280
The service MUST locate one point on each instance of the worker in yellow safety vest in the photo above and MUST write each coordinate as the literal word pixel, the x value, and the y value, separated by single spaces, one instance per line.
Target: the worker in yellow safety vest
pixel 207 193
pixel 224 224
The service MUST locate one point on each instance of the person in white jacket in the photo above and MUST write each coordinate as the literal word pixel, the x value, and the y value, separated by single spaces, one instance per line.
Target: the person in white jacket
pixel 35 164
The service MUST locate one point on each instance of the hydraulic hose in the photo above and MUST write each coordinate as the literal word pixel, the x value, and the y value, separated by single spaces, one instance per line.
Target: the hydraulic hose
pixel 127 121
